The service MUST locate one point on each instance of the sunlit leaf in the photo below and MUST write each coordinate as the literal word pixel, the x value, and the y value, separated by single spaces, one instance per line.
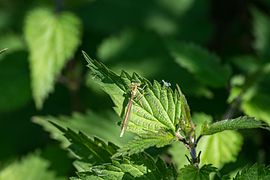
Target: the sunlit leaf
pixel 158 109
pixel 220 148
pixel 52 40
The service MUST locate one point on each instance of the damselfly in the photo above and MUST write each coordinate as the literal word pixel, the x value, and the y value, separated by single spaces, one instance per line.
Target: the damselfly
pixel 134 89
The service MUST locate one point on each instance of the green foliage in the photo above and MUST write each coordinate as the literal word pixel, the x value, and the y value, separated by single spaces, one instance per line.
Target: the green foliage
pixel 256 171
pixel 94 160
pixel 31 167
pixel 201 63
pixel 92 124
pixel 52 40
pixel 192 172
pixel 233 124
pixel 217 149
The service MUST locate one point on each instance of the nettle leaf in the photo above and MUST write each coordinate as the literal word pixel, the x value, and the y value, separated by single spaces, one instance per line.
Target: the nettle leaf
pixel 94 160
pixel 90 123
pixel 140 166
pixel 233 124
pixel 156 110
pixel 194 173
pixel 91 150
pixel 205 66
pixel 30 167
pixel 256 171
pixel 261 28
pixel 220 148
pixel 52 40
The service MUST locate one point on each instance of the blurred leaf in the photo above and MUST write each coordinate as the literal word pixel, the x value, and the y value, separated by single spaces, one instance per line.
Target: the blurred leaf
pixel 52 40
pixel 31 167
pixel 145 53
pixel 15 82
pixel 178 152
pixel 256 171
pixel 261 30
pixel 243 122
pixel 194 173
pixel 258 106
pixel 104 126
pixel 157 111
pixel 205 66
pixel 220 148
pixel 177 7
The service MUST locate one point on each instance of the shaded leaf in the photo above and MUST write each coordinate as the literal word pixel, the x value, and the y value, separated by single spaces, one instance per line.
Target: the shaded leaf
pixel 205 66
pixel 92 124
pixel 194 173
pixel 52 40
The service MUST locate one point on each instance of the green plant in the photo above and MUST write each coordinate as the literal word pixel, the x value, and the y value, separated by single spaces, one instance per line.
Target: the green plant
pixel 160 116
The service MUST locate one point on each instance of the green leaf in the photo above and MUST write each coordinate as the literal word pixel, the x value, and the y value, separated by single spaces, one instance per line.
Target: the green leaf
pixel 145 141
pixel 194 173
pixel 91 150
pixel 258 106
pixel 233 124
pixel 156 110
pixel 94 160
pixel 220 148
pixel 261 31
pixel 52 40
pixel 143 53
pixel 31 167
pixel 91 124
pixel 256 171
pixel 140 166
pixel 205 66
